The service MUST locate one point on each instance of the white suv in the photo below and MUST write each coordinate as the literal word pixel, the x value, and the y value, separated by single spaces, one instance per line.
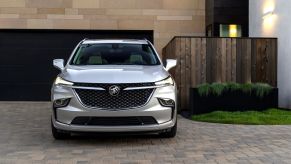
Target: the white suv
pixel 114 86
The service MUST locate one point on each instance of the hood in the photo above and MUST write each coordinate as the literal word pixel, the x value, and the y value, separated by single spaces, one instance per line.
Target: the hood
pixel 114 74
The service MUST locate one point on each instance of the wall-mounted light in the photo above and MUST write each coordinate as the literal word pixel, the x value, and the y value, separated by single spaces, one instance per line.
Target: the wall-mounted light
pixel 269 17
pixel 268 14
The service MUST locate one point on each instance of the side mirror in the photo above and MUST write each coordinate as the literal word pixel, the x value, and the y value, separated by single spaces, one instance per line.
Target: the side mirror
pixel 59 64
pixel 170 63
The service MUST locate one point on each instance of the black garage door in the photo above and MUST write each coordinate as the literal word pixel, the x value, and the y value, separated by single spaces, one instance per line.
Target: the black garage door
pixel 26 58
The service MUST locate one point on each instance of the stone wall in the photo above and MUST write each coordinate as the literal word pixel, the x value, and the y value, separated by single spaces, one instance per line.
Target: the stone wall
pixel 167 18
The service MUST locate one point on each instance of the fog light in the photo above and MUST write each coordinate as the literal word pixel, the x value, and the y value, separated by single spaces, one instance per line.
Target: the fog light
pixel 167 102
pixel 61 103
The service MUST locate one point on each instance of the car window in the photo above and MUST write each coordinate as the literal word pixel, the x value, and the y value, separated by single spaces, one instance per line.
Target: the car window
pixel 115 54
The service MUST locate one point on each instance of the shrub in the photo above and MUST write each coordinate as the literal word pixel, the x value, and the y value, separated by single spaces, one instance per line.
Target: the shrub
pixel 203 89
pixel 260 89
pixel 218 88
pixel 232 86
pixel 247 87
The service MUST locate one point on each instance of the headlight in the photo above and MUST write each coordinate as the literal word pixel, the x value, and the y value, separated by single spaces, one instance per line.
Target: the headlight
pixel 167 81
pixel 60 81
pixel 167 102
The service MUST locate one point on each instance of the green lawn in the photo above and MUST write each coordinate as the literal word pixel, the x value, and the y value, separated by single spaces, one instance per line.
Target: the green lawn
pixel 268 117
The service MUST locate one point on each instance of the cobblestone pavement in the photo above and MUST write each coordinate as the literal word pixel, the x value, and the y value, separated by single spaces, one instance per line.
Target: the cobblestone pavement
pixel 25 137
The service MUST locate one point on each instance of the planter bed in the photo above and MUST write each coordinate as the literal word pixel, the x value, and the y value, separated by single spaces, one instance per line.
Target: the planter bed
pixel 236 100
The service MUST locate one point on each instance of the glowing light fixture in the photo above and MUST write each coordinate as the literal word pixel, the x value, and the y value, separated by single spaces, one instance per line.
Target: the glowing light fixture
pixel 233 30
pixel 268 14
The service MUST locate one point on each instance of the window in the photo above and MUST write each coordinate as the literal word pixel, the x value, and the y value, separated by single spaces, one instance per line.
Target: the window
pixel 231 30
pixel 115 54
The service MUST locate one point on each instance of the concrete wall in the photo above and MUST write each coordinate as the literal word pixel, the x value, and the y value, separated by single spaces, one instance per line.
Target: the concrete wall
pixel 277 25
pixel 166 17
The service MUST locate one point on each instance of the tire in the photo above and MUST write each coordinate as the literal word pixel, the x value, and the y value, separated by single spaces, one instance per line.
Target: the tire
pixel 59 135
pixel 170 133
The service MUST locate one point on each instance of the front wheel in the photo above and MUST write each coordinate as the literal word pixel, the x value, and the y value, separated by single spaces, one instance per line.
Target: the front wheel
pixel 170 133
pixel 58 135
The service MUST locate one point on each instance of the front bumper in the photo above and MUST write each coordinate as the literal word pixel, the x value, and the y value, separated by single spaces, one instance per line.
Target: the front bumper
pixel 165 116
pixel 144 128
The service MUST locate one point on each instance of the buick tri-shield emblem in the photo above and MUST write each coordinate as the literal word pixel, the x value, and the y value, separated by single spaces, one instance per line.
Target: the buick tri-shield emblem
pixel 114 90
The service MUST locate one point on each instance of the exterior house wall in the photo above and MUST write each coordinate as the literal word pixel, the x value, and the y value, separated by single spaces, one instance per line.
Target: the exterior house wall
pixel 277 25
pixel 167 18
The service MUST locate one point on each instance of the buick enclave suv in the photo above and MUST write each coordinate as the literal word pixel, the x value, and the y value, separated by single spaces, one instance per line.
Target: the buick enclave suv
pixel 114 86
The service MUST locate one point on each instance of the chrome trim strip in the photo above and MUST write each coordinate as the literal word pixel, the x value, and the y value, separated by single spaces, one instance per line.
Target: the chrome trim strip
pixel 89 88
pixel 146 87
pixel 125 89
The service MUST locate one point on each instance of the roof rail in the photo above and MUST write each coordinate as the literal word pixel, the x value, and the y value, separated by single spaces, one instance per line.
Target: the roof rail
pixel 84 40
pixel 147 41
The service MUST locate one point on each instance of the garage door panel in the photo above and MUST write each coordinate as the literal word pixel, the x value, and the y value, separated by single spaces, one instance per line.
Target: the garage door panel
pixel 32 56
pixel 25 92
pixel 18 75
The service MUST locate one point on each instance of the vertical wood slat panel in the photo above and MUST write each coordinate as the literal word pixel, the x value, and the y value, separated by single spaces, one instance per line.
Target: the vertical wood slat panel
pixel 214 58
pixel 203 60
pixel 223 60
pixel 254 61
pixel 178 70
pixel 187 70
pixel 183 73
pixel 248 78
pixel 243 60
pixel 246 60
pixel 268 61
pixel 273 63
pixel 239 61
pixel 198 61
pixel 264 60
pixel 259 65
pixel 228 59
pixel 233 60
pixel 193 63
pixel 217 61
pixel 211 60
pixel 209 52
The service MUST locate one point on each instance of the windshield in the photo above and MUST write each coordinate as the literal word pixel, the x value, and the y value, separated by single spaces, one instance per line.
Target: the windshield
pixel 115 54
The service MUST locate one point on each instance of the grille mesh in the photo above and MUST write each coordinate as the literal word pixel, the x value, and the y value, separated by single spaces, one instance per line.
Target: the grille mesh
pixel 125 99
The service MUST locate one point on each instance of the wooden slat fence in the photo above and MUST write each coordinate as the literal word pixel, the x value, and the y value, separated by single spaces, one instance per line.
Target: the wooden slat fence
pixel 207 60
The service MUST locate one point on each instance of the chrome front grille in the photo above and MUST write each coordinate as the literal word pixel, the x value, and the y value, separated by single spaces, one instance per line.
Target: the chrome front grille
pixel 124 100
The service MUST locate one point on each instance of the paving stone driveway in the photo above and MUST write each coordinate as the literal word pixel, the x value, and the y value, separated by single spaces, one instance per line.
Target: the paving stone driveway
pixel 25 138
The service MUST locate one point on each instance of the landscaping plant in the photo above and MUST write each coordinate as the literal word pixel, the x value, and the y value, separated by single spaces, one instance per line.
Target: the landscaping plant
pixel 260 89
